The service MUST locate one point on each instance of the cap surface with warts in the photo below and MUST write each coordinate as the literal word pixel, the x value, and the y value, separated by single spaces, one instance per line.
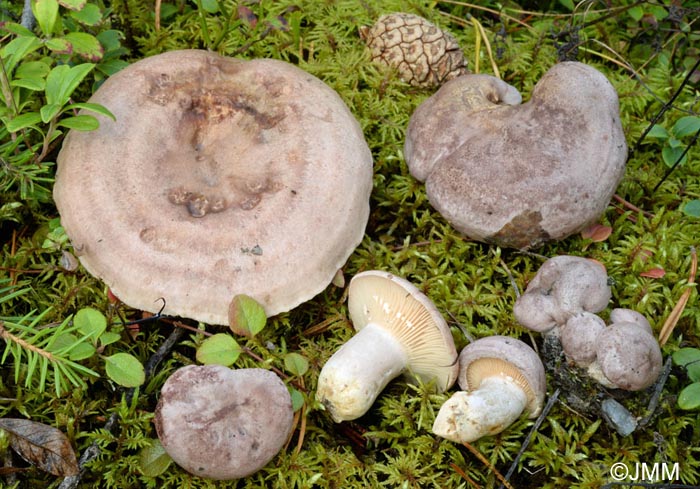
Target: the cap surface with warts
pixel 221 423
pixel 216 178
pixel 520 175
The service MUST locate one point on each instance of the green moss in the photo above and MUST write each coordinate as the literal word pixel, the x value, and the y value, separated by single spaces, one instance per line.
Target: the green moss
pixel 470 282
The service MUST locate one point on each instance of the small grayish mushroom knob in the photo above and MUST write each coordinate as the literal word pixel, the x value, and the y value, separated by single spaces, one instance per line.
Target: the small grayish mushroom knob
pixel 563 286
pixel 398 330
pixel 501 377
pixel 579 337
pixel 520 175
pixel 221 423
pixel 216 179
pixel 424 55
pixel 628 355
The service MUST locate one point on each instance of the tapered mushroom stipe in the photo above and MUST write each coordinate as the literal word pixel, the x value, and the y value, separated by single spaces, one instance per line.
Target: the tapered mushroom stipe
pixel 501 377
pixel 398 330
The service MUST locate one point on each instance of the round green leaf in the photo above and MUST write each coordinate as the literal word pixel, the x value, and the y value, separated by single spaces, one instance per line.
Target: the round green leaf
pixel 685 126
pixel 296 364
pixel 689 398
pixel 690 359
pixel 297 398
pixel 220 349
pixel 692 208
pixel 90 322
pixel 109 337
pixel 125 370
pixel 90 15
pixel 658 131
pixel 246 316
pixel 86 45
pixel 672 154
pixel 154 460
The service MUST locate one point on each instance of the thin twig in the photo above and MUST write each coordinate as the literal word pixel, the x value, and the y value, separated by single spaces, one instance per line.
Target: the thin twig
pixel 658 389
pixel 533 430
pixel 464 475
pixel 28 20
pixel 678 309
pixel 678 160
pixel 488 464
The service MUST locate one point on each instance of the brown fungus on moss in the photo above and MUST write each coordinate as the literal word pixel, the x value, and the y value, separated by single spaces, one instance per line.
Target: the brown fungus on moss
pixel 209 157
pixel 520 175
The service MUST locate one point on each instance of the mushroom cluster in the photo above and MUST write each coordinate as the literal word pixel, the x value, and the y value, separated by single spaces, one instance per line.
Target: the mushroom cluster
pixel 399 330
pixel 520 175
pixel 562 300
pixel 500 377
pixel 223 424
pixel 216 179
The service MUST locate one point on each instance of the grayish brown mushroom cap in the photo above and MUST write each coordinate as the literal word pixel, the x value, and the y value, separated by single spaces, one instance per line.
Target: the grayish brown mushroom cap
pixel 579 337
pixel 628 355
pixel 221 423
pixel 520 175
pixel 563 286
pixel 219 177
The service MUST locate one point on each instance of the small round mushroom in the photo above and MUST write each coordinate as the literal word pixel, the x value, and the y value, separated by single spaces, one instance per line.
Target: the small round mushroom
pixel 223 424
pixel 398 330
pixel 424 55
pixel 216 179
pixel 500 378
pixel 628 355
pixel 520 175
pixel 563 286
pixel 579 337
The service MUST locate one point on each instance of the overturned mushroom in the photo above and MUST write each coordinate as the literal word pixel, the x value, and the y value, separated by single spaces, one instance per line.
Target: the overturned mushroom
pixel 398 330
pixel 221 423
pixel 563 287
pixel 216 179
pixel 501 377
pixel 520 175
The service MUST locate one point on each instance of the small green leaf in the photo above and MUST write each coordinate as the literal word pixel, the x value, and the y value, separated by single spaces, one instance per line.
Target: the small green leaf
pixel 35 84
pixel 685 126
pixel 100 109
pixel 109 337
pixel 90 15
pixel 658 131
pixel 81 352
pixel 17 49
pixel 80 123
pixel 658 12
pixel 59 46
pixel 636 13
pixel 33 69
pixel 22 121
pixel 692 208
pixel 296 364
pixel 73 4
pixel 63 80
pixel 46 13
pixel 690 359
pixel 90 322
pixel 689 397
pixel 297 398
pixel 86 45
pixel 110 39
pixel 246 316
pixel 671 155
pixel 49 111
pixel 220 349
pixel 210 6
pixel 568 4
pixel 125 370
pixel 154 460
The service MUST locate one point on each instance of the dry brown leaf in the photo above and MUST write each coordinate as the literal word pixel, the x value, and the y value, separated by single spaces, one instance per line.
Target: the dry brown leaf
pixel 653 273
pixel 596 233
pixel 41 445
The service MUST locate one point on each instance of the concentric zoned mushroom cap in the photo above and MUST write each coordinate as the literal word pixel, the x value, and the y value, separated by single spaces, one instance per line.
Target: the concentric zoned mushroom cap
pixel 219 177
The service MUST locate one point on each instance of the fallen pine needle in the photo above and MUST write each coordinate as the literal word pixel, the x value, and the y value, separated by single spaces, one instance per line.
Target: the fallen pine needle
pixel 675 315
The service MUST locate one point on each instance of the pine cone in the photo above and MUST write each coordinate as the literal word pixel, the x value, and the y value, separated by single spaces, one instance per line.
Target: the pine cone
pixel 425 55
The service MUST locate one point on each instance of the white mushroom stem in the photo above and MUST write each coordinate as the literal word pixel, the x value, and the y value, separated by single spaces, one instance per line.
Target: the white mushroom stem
pixel 354 376
pixel 467 416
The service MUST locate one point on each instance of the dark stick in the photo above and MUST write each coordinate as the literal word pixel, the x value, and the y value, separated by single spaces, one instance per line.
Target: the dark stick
pixel 28 20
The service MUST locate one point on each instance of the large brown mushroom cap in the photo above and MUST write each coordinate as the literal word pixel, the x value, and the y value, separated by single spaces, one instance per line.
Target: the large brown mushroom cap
pixel 520 175
pixel 221 423
pixel 219 177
